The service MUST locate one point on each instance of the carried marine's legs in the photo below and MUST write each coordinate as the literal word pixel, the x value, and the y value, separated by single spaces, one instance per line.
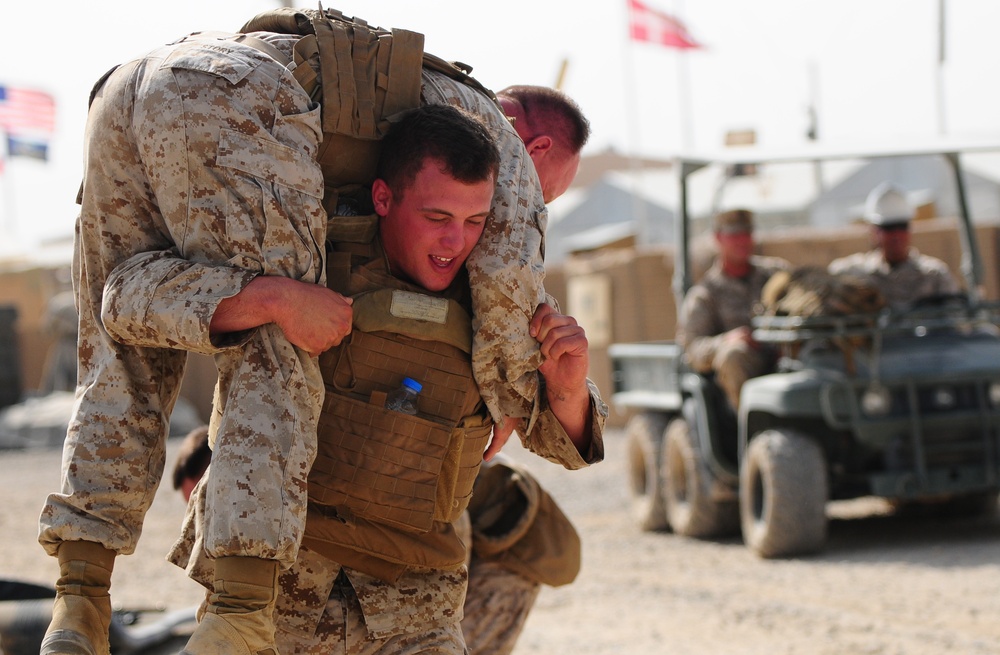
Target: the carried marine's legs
pixel 115 445
pixel 81 614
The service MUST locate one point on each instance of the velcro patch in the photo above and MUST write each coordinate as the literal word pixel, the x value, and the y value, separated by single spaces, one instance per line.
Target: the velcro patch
pixel 407 304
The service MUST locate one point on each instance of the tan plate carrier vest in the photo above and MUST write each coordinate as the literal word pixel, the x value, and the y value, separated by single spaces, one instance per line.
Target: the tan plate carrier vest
pixel 383 467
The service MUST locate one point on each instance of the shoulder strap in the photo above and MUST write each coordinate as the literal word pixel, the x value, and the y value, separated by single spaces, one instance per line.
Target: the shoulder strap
pixel 265 47
pixel 457 71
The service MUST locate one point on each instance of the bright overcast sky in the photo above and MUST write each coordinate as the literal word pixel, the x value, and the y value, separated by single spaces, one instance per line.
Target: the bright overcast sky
pixel 870 66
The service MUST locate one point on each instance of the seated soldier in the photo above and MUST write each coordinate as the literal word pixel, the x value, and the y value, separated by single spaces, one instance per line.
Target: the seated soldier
pixel 902 274
pixel 714 321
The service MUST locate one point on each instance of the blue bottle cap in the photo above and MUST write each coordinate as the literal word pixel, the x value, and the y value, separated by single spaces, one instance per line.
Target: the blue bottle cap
pixel 412 384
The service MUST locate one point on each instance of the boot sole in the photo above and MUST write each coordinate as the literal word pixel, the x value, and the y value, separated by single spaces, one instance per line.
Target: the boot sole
pixel 66 642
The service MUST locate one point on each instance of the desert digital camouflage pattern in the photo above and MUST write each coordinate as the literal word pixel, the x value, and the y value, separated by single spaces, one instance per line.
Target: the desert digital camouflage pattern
pixel 506 269
pixel 322 604
pixel 201 153
pixel 716 305
pixel 920 276
pixel 496 608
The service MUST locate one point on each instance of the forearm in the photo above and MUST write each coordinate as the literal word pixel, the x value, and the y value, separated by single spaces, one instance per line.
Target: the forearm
pixel 572 408
pixel 700 352
pixel 258 303
pixel 549 439
pixel 159 300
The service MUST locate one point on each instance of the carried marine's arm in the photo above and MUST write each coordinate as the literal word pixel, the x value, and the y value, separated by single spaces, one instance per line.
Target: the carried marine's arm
pixel 568 426
pixel 160 300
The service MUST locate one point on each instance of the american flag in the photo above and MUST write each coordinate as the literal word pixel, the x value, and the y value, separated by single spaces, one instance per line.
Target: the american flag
pixel 26 112
pixel 648 24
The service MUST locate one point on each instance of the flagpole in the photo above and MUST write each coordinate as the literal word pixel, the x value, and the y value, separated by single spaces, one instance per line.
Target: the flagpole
pixel 631 93
pixel 683 88
pixel 939 77
pixel 7 225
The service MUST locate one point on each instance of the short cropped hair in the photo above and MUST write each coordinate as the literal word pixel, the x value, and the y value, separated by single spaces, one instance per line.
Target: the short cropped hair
pixel 455 138
pixel 545 105
pixel 193 458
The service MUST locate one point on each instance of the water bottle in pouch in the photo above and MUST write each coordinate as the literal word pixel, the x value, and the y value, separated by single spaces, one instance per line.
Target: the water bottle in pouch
pixel 404 399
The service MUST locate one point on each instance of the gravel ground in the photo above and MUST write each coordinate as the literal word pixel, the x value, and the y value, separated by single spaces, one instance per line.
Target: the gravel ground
pixel 884 584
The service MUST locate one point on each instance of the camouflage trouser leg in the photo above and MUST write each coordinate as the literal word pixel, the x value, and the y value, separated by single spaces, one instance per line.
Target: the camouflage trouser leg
pixel 497 605
pixel 269 393
pixel 320 612
pixel 203 152
pixel 736 362
pixel 506 270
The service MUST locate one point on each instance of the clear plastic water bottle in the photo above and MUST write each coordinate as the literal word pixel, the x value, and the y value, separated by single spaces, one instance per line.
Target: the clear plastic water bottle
pixel 404 399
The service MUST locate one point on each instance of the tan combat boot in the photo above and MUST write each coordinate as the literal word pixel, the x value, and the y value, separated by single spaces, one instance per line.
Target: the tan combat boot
pixel 81 613
pixel 239 617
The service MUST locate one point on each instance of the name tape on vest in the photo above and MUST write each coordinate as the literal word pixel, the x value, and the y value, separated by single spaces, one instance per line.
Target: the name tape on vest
pixel 407 304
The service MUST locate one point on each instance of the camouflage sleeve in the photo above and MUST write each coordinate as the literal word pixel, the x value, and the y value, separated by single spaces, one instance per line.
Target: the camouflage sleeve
pixel 506 270
pixel 497 605
pixel 946 282
pixel 837 266
pixel 851 264
pixel 547 438
pixel 160 300
pixel 697 330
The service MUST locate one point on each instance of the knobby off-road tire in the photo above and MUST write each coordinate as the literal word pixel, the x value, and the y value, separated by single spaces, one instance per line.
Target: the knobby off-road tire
pixel 644 437
pixel 687 486
pixel 783 494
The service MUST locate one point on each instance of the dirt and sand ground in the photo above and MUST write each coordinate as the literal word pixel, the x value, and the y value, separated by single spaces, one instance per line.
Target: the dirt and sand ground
pixel 884 584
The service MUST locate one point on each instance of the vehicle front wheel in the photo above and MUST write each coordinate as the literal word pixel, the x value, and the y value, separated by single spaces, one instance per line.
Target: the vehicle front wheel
pixel 644 437
pixel 687 488
pixel 783 494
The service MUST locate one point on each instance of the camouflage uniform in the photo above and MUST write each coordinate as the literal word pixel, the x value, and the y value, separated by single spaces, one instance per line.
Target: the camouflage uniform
pixel 200 153
pixel 325 602
pixel 920 276
pixel 716 305
pixel 506 269
pixel 496 607
pixel 496 604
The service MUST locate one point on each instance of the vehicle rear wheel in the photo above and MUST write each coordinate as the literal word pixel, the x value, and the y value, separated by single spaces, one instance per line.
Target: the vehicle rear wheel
pixel 783 494
pixel 687 488
pixel 644 436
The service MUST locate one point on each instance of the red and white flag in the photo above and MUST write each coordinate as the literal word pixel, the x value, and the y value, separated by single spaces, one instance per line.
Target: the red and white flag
pixel 652 26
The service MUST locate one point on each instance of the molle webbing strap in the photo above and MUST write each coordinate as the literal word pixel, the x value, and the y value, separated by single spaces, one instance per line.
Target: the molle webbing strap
pixel 347 237
pixel 362 75
pixel 305 66
pixel 368 74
